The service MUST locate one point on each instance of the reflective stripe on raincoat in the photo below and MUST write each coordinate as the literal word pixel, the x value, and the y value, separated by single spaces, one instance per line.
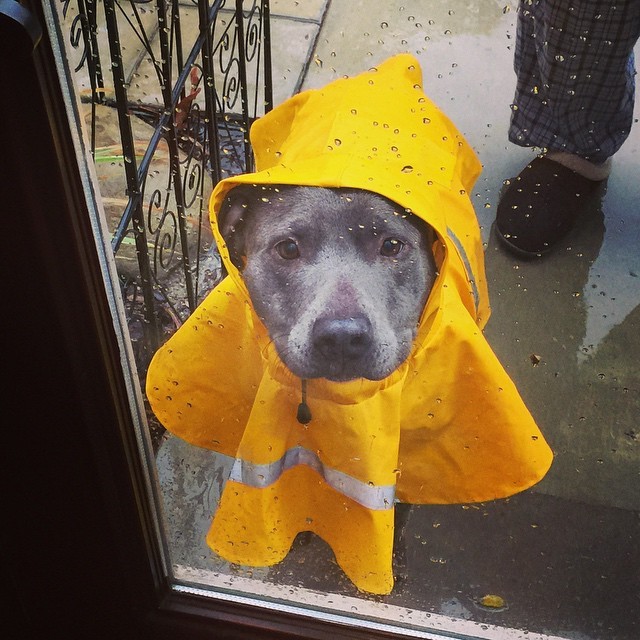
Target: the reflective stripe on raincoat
pixel 448 426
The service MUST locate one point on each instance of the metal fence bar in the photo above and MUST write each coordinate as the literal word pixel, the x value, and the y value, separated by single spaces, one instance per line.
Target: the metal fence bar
pixel 171 95
pixel 151 329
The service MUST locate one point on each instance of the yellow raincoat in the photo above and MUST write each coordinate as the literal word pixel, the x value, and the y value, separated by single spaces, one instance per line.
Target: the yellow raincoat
pixel 448 426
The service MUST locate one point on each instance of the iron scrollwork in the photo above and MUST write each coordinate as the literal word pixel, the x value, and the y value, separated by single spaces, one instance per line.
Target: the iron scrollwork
pixel 169 123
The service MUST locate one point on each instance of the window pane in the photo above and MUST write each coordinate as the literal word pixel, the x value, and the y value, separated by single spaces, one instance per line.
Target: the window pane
pixel 165 97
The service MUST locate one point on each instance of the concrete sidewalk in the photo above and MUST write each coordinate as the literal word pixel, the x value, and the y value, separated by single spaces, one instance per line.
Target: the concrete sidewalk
pixel 564 556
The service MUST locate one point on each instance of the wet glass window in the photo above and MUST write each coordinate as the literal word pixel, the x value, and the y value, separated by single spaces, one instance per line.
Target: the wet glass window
pixel 379 264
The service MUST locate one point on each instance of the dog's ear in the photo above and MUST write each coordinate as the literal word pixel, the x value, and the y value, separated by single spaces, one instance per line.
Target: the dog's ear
pixel 232 222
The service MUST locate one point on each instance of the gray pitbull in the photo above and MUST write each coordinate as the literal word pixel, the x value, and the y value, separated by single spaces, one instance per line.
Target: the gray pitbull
pixel 338 276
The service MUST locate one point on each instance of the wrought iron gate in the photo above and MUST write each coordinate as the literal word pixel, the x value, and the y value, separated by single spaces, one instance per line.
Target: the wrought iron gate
pixel 169 89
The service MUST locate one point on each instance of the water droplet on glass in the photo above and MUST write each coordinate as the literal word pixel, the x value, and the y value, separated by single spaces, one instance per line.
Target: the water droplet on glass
pixel 407 169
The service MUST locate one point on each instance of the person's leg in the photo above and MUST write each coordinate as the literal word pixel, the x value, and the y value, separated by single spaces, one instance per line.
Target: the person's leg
pixel 575 76
pixel 574 100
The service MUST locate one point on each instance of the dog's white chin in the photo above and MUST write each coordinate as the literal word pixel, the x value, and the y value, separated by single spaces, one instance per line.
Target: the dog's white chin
pixel 375 366
pixel 343 374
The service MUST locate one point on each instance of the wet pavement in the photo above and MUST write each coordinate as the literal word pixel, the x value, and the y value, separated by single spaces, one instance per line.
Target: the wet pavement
pixel 565 555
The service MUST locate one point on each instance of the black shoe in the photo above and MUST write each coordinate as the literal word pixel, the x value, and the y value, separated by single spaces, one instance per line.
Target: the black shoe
pixel 540 207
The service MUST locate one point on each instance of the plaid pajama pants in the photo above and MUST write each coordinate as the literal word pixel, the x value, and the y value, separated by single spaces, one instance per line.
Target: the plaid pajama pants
pixel 575 75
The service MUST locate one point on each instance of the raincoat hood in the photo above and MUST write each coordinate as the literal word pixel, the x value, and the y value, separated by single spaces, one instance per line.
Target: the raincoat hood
pixel 448 426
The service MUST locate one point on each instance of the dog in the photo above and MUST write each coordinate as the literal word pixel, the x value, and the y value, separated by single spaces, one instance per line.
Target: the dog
pixel 346 283
pixel 338 276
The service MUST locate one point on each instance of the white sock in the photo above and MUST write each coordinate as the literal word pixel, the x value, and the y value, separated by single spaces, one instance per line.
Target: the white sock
pixel 585 168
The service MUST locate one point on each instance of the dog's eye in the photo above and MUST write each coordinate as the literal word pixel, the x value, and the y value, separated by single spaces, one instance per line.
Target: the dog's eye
pixel 391 247
pixel 288 249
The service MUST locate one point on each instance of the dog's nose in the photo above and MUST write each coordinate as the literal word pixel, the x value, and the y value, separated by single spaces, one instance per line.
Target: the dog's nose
pixel 342 337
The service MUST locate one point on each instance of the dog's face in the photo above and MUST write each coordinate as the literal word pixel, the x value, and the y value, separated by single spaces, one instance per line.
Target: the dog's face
pixel 338 276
